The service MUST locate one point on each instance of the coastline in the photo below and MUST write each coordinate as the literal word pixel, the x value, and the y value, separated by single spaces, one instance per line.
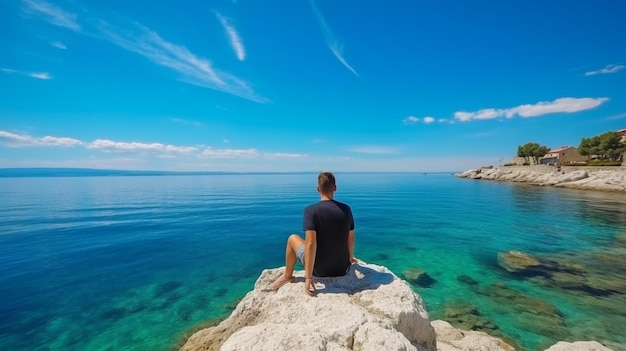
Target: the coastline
pixel 575 177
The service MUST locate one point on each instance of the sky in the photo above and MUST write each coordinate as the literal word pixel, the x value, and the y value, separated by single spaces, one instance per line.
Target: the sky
pixel 303 85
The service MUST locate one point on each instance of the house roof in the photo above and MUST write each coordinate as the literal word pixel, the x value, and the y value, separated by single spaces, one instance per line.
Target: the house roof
pixel 562 148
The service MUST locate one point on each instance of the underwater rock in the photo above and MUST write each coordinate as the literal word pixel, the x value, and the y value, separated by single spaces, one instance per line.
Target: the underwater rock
pixel 418 276
pixel 467 280
pixel 516 261
pixel 465 315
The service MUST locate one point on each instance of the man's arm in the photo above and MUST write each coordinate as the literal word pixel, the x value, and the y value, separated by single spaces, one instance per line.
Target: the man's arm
pixel 351 246
pixel 310 250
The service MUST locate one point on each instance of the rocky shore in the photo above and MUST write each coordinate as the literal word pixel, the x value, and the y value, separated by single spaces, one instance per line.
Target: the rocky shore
pixel 369 308
pixel 589 178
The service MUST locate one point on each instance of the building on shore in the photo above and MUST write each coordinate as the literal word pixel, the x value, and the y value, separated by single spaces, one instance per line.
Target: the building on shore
pixel 562 155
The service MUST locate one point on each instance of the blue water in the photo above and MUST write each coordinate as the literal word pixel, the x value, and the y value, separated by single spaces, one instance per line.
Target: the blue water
pixel 140 262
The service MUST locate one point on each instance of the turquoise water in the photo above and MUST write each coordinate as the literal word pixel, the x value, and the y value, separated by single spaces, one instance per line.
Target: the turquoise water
pixel 139 262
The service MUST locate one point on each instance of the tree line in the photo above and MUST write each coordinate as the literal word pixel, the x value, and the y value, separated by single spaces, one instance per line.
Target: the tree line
pixel 606 147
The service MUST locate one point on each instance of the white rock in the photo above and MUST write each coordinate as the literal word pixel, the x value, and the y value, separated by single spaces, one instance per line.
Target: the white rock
pixel 578 346
pixel 588 178
pixel 367 309
pixel 453 339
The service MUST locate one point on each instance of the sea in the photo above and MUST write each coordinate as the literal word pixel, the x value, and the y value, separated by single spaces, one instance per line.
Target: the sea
pixel 141 261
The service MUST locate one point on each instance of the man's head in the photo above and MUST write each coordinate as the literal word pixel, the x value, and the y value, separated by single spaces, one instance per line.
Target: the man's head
pixel 326 183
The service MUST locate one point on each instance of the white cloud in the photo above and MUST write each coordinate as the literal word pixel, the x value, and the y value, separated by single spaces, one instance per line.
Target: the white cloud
pixel 52 14
pixel 230 153
pixel 193 69
pixel 25 140
pixel 147 43
pixel 36 75
pixel 104 144
pixel 58 45
pixel 410 120
pixel 606 70
pixel 562 105
pixel 187 122
pixel 375 150
pixel 333 44
pixel 425 120
pixel 233 36
pixel 282 155
pixel 40 75
pixel 618 116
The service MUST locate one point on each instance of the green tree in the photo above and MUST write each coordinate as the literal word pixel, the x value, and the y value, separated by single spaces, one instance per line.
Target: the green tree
pixel 532 151
pixel 607 146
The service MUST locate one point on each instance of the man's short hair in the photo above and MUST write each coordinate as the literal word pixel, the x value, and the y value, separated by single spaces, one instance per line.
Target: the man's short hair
pixel 326 182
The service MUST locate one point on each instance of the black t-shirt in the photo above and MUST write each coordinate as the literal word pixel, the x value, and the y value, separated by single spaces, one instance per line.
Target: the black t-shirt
pixel 332 220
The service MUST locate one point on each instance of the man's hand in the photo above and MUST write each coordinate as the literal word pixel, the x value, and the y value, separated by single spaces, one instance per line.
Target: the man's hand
pixel 309 286
pixel 354 260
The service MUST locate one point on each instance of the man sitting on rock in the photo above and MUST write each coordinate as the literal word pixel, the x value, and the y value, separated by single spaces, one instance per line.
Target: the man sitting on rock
pixel 328 247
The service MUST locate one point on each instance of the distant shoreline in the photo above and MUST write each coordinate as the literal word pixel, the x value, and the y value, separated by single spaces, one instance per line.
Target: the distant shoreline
pixel 41 172
pixel 575 177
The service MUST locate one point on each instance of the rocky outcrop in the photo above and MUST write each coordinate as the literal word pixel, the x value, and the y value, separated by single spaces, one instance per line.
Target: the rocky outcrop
pixel 367 309
pixel 588 178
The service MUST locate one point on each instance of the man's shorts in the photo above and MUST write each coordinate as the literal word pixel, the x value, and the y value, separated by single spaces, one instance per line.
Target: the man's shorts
pixel 300 254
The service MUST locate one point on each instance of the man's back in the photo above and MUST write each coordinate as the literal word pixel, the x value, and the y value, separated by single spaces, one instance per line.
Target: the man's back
pixel 332 221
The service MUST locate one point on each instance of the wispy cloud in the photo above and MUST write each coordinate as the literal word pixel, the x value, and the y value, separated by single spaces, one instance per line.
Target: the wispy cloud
pixel 246 154
pixel 562 105
pixel 618 116
pixel 233 36
pixel 230 153
pixel 375 150
pixel 104 144
pixel 606 70
pixel 52 14
pixel 411 120
pixel 136 38
pixel 139 150
pixel 40 75
pixel 187 122
pixel 193 69
pixel 36 75
pixel 333 44
pixel 282 155
pixel 58 45
pixel 425 120
pixel 24 140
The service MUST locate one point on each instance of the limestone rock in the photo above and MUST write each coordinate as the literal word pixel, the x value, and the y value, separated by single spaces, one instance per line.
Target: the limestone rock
pixel 453 339
pixel 367 309
pixel 571 177
pixel 578 346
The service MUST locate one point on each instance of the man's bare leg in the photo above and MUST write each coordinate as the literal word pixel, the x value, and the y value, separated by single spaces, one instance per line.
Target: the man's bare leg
pixel 293 242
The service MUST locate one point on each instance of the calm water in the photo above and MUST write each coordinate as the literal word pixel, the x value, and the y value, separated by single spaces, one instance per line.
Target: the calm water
pixel 136 263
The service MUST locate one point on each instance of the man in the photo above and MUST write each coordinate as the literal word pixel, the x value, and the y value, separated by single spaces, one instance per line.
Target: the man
pixel 328 247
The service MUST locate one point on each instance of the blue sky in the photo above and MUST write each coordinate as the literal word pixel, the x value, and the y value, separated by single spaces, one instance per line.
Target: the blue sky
pixel 297 85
